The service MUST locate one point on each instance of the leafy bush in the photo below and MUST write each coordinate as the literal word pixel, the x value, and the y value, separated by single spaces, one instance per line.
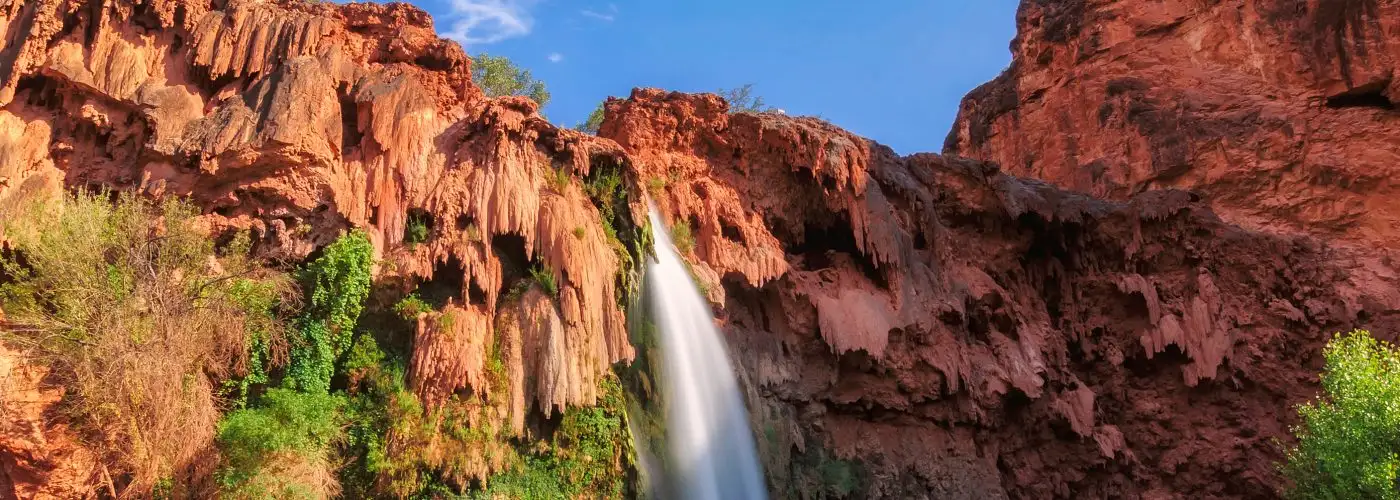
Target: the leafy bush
pixel 587 458
pixel 416 231
pixel 742 100
pixel 682 236
pixel 378 396
pixel 605 186
pixel 545 277
pixel 593 123
pixel 121 300
pixel 399 448
pixel 337 283
pixel 1349 440
pixel 656 186
pixel 411 306
pixel 558 179
pixel 281 449
pixel 498 76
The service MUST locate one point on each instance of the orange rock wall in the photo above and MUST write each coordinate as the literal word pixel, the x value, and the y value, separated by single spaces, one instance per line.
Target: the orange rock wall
pixel 1280 112
pixel 298 121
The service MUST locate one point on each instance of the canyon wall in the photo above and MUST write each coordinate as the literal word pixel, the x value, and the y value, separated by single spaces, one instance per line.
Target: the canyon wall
pixel 1280 112
pixel 296 121
pixel 906 327
pixel 930 327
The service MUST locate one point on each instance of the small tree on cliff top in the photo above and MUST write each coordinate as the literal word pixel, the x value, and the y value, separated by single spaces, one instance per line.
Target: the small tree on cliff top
pixel 1349 441
pixel 498 76
pixel 594 121
pixel 742 100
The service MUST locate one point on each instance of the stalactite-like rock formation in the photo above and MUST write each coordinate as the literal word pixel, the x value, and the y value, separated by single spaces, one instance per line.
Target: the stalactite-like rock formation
pixel 297 121
pixel 961 333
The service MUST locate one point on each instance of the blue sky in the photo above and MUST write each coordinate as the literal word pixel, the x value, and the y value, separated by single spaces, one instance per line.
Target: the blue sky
pixel 890 70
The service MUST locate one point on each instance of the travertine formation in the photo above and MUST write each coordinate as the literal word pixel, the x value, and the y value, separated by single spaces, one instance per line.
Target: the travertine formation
pixel 300 120
pixel 905 327
pixel 961 333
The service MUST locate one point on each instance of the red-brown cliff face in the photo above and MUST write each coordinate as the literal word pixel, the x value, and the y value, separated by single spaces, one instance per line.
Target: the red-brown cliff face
pixel 297 121
pixel 960 333
pixel 1281 113
pixel 906 327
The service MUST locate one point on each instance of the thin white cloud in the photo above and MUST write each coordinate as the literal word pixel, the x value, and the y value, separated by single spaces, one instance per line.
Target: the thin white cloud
pixel 555 57
pixel 606 17
pixel 598 15
pixel 479 22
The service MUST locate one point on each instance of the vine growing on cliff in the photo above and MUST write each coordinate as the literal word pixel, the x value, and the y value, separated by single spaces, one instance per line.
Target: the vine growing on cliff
pixel 337 284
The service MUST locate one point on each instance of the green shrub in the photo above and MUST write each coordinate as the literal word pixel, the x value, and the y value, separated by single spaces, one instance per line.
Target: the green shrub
pixel 117 297
pixel 839 477
pixel 741 99
pixel 411 306
pixel 683 238
pixel 545 277
pixel 416 230
pixel 558 179
pixel 656 186
pixel 372 409
pixel 1349 439
pixel 605 186
pixel 588 458
pixel 499 76
pixel 337 283
pixel 593 123
pixel 281 449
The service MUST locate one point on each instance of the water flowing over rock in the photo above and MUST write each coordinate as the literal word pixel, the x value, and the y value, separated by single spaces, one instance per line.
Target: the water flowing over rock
pixel 711 453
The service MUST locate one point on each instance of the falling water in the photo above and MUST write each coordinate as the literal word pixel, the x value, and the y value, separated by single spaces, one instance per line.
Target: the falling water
pixel 711 447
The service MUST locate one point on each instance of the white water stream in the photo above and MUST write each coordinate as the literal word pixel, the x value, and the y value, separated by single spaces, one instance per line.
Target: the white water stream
pixel 711 448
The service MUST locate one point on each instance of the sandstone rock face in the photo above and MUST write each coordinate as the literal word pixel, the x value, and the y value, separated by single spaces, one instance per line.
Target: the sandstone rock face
pixel 297 121
pixel 961 333
pixel 39 457
pixel 1280 112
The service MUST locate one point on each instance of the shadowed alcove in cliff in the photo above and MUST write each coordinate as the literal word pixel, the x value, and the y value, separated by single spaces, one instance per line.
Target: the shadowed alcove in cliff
pixel 1372 95
pixel 824 239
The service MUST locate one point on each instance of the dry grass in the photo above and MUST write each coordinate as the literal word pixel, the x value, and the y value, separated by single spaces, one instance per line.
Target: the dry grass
pixel 292 475
pixel 126 302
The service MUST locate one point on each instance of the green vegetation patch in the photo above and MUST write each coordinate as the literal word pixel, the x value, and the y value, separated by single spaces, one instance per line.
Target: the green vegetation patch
pixel 589 456
pixel 1349 440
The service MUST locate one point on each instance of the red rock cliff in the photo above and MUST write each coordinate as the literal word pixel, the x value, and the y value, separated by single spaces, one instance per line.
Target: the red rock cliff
pixel 299 120
pixel 1280 112
pixel 923 326
pixel 957 332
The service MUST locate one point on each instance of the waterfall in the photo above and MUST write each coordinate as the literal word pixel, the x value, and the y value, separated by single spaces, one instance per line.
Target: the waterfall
pixel 710 446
